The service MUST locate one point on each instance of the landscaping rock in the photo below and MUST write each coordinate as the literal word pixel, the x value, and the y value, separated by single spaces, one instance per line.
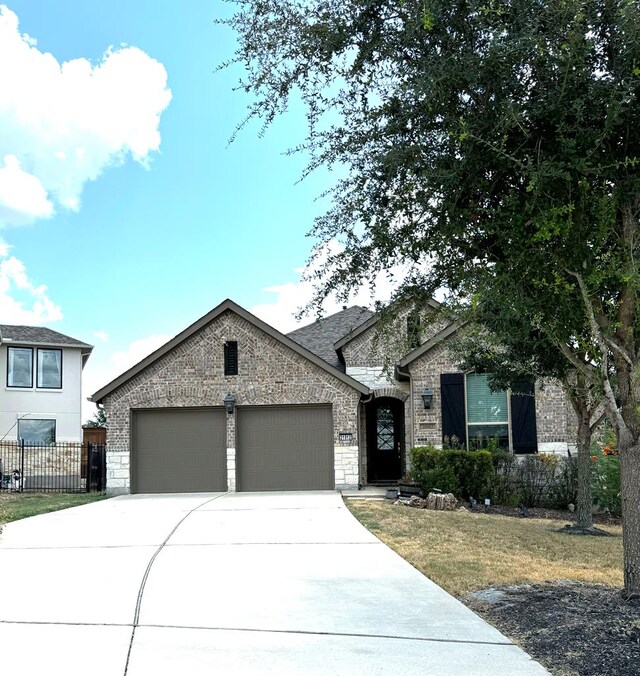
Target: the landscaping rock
pixel 438 501
pixel 442 501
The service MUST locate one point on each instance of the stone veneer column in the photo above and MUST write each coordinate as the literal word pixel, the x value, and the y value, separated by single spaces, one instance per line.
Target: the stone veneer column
pixel 346 467
pixel 118 471
pixel 231 451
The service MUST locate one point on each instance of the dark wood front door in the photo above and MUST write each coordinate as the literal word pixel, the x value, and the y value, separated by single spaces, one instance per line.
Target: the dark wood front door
pixel 385 431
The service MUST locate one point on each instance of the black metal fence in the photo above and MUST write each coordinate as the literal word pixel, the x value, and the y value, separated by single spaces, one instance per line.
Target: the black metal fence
pixel 61 467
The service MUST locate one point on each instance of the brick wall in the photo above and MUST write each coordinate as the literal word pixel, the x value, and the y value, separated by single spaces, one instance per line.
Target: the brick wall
pixel 554 417
pixel 269 373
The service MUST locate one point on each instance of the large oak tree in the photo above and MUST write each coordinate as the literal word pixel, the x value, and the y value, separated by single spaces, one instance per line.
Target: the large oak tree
pixel 478 141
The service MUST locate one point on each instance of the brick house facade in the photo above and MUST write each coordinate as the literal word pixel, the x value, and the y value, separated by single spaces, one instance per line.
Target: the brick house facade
pixel 321 402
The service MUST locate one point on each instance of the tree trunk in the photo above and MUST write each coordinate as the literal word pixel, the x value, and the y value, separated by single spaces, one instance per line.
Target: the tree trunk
pixel 630 488
pixel 584 516
pixel 576 387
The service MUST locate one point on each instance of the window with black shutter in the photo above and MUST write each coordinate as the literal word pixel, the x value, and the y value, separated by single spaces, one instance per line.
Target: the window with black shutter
pixel 231 358
pixel 454 423
pixel 523 417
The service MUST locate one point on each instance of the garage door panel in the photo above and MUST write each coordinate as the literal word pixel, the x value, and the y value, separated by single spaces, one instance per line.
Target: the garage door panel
pixel 285 448
pixel 179 450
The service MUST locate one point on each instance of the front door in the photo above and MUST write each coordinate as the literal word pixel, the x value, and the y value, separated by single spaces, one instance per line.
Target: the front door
pixel 385 431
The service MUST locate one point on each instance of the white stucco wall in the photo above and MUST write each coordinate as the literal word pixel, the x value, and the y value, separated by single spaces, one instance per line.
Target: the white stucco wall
pixel 64 405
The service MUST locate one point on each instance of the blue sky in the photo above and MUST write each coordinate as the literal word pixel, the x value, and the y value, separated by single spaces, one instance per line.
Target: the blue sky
pixel 126 201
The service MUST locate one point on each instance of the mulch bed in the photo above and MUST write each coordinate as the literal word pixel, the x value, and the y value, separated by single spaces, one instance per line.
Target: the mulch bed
pixel 571 628
pixel 600 518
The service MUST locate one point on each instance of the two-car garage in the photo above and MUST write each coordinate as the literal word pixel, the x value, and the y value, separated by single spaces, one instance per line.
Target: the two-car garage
pixel 232 404
pixel 276 448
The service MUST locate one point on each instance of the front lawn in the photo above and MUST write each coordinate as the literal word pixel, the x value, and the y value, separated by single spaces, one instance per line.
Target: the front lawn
pixel 465 551
pixel 573 628
pixel 14 506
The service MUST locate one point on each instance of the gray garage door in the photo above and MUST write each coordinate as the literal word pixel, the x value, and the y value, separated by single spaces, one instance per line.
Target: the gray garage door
pixel 284 448
pixel 179 450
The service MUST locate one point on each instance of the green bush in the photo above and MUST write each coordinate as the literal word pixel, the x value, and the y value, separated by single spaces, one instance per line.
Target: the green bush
pixel 534 477
pixel 564 488
pixel 463 473
pixel 501 489
pixel 605 484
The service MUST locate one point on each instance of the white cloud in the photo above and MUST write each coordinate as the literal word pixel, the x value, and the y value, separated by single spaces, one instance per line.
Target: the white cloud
pixel 21 301
pixel 62 125
pixel 104 366
pixel 22 196
pixel 101 335
pixel 291 297
pixel 136 351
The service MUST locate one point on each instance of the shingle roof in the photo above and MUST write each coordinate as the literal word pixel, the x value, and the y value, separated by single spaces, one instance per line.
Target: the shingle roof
pixel 320 336
pixel 345 338
pixel 38 335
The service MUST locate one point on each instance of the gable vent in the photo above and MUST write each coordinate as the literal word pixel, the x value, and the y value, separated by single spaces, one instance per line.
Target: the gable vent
pixel 231 358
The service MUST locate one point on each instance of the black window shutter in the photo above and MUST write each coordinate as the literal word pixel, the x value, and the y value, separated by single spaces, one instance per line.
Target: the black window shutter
pixel 523 417
pixel 453 414
pixel 231 358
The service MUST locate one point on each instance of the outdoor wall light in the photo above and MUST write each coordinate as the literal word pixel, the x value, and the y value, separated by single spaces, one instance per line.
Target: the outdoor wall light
pixel 229 402
pixel 427 398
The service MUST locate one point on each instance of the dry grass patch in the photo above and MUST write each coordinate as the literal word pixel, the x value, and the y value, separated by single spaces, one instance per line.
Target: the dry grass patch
pixel 464 551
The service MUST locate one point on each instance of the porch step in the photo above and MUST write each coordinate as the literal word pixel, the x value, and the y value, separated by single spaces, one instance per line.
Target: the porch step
pixel 366 493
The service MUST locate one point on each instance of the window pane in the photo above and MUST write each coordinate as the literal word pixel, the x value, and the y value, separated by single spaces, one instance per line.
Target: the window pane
pixel 19 366
pixel 50 368
pixel 480 434
pixel 483 405
pixel 37 431
pixel 385 432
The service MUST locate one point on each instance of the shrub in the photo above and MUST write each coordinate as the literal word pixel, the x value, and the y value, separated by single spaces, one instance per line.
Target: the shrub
pixel 463 473
pixel 501 490
pixel 564 488
pixel 533 478
pixel 605 476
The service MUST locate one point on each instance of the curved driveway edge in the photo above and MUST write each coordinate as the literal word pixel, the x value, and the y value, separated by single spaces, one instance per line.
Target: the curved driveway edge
pixel 231 583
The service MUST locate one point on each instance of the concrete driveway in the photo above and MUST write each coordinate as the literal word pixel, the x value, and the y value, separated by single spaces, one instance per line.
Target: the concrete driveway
pixel 228 583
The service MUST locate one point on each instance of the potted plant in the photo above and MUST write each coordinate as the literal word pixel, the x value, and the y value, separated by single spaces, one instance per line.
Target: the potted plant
pixel 408 487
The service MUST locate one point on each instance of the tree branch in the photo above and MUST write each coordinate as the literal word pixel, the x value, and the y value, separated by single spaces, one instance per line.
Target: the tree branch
pixel 603 342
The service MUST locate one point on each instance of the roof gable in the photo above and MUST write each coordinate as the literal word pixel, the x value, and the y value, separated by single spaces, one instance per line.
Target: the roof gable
pixel 227 305
pixel 359 330
pixel 443 334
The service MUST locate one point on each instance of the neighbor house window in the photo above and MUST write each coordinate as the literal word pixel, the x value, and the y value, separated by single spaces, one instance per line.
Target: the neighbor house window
pixel 19 367
pixel 37 431
pixel 487 412
pixel 231 358
pixel 49 368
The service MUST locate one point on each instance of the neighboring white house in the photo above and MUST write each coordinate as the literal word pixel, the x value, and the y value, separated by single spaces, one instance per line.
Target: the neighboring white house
pixel 41 401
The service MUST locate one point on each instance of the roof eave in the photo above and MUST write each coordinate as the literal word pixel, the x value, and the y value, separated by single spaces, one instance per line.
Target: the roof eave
pixel 444 333
pixel 369 323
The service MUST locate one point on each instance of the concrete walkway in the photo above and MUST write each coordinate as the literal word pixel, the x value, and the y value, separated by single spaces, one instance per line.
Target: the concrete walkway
pixel 283 583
